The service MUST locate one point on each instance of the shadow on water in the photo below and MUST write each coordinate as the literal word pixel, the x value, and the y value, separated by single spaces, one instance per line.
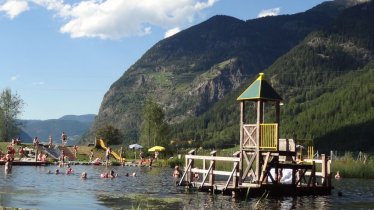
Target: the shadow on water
pixel 32 188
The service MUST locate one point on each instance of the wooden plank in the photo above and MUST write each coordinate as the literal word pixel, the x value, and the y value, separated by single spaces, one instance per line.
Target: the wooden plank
pixel 264 167
pixel 206 176
pixel 319 174
pixel 185 172
pixel 311 161
pixel 200 157
pixel 231 175
pixel 249 167
pixel 215 172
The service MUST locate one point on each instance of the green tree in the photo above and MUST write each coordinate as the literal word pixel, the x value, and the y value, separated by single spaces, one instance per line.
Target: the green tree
pixel 10 107
pixel 109 134
pixel 154 128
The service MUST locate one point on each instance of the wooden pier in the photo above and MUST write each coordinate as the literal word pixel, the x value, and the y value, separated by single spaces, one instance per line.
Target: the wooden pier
pixel 265 164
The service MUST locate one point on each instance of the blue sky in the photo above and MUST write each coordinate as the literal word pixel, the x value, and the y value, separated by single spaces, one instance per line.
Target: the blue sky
pixel 61 57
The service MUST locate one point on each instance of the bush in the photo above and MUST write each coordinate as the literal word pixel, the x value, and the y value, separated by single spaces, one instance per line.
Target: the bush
pixel 175 162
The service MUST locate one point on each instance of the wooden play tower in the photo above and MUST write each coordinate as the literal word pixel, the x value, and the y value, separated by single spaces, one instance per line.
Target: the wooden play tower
pixel 259 142
pixel 263 158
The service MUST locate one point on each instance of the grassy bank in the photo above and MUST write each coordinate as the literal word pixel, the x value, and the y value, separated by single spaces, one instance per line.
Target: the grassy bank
pixel 354 166
pixel 83 154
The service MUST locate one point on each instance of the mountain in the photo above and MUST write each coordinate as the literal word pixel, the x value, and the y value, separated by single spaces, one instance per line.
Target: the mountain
pixel 188 72
pixel 326 82
pixel 88 118
pixel 196 75
pixel 73 125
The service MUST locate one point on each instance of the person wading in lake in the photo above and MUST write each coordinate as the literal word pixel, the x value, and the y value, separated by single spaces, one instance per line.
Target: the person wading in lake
pixel 177 172
pixel 8 164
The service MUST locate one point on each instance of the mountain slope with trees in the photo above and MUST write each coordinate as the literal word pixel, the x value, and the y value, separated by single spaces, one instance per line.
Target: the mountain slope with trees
pixel 190 72
pixel 327 86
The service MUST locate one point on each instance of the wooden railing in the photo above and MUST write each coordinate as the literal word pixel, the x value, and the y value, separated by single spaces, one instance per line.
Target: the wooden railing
pixel 305 149
pixel 325 169
pixel 268 136
pixel 208 174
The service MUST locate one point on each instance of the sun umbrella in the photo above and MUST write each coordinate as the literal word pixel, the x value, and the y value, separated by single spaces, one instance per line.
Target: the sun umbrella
pixel 156 148
pixel 135 146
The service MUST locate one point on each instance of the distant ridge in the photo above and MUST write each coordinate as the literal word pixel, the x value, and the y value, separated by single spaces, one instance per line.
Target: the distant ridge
pixel 73 125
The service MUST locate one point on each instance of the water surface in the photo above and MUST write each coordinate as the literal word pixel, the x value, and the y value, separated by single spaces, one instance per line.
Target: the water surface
pixel 33 188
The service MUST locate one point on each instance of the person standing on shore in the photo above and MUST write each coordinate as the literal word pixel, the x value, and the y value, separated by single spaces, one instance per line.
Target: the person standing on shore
pixel 50 142
pixel 91 155
pixel 64 138
pixel 107 155
pixel 62 157
pixel 75 150
pixel 35 141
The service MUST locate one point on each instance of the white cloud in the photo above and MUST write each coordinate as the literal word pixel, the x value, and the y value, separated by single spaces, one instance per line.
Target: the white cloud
pixel 12 8
pixel 114 19
pixel 269 12
pixel 14 78
pixel 171 32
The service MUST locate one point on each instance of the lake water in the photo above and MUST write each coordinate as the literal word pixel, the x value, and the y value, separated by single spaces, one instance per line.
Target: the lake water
pixel 31 187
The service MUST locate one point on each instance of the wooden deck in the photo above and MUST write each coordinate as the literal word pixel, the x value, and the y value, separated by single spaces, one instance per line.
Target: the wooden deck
pixel 306 180
pixel 26 163
pixel 256 190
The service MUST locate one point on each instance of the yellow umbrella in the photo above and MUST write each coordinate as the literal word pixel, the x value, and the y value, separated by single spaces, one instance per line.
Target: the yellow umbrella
pixel 156 148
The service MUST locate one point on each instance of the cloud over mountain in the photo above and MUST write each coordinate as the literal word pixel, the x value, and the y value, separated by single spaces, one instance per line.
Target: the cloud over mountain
pixel 269 12
pixel 113 19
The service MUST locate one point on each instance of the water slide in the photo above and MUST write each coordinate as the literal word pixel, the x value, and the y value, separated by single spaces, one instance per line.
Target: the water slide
pixel 53 152
pixel 101 143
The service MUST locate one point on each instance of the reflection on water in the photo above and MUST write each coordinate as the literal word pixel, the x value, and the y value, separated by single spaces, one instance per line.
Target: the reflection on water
pixel 32 188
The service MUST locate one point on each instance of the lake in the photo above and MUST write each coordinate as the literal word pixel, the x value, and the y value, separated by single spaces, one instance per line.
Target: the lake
pixel 32 187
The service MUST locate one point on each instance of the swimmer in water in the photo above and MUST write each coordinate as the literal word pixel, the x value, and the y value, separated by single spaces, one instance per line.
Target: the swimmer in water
pixel 84 175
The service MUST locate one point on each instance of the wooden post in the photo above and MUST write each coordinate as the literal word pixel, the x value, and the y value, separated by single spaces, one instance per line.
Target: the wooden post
pixel 277 120
pixel 235 179
pixel 204 167
pixel 242 116
pixel 258 140
pixel 324 169
pixel 276 168
pixel 36 154
pixel 213 162
pixel 314 174
pixel 189 175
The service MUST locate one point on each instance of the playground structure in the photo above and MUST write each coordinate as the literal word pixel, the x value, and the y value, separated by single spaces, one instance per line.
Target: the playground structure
pixel 257 168
pixel 101 143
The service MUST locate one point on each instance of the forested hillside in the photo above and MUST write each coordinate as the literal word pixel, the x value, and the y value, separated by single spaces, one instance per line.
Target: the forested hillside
pixel 327 83
pixel 188 73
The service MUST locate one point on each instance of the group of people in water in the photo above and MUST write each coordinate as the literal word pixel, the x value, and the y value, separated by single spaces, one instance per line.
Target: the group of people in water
pixel 11 152
pixel 107 173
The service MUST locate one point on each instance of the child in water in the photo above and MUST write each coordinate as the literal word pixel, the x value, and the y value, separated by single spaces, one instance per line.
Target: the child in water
pixel 84 175
pixel 177 173
pixel 111 174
